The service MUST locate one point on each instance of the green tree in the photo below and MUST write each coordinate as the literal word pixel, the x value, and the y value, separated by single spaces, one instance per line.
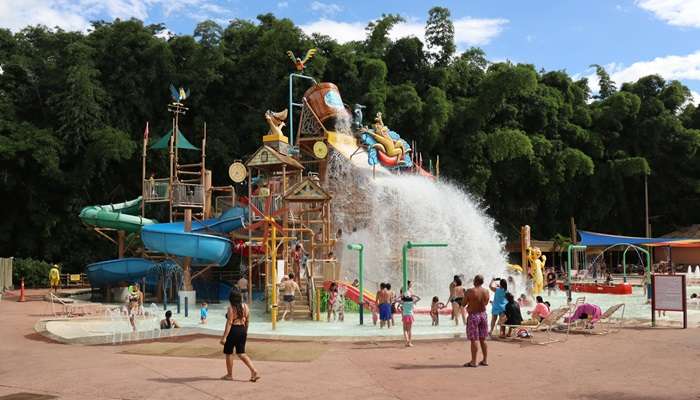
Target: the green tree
pixel 440 35
pixel 607 86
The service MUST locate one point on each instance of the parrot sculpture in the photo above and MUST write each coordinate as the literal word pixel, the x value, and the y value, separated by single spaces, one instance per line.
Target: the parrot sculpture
pixel 298 62
pixel 180 95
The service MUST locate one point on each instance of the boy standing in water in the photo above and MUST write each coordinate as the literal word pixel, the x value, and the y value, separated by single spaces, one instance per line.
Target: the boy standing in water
pixel 384 306
pixel 390 300
pixel 475 301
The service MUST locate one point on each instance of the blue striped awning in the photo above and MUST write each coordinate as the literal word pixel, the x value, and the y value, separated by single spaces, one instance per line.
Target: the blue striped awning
pixel 593 239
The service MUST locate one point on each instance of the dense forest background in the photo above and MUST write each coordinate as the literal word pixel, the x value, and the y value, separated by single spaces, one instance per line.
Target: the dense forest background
pixel 534 145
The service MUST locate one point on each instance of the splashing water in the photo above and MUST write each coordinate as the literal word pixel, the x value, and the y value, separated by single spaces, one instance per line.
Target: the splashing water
pixel 385 211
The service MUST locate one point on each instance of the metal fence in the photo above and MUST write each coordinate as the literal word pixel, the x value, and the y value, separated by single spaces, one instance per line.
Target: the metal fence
pixel 188 194
pixel 156 189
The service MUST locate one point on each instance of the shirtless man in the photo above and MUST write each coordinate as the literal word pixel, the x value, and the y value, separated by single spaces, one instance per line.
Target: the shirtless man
pixel 289 287
pixel 390 298
pixel 243 287
pixel 475 301
pixel 384 303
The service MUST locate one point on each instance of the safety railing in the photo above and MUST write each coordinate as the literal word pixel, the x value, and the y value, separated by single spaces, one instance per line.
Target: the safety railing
pixel 188 195
pixel 156 189
pixel 221 204
pixel 327 269
pixel 260 201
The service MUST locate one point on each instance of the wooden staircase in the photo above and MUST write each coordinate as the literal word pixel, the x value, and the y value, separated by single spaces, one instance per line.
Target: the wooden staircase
pixel 302 307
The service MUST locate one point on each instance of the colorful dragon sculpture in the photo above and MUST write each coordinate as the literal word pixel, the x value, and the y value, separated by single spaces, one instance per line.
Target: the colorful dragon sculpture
pixel 385 146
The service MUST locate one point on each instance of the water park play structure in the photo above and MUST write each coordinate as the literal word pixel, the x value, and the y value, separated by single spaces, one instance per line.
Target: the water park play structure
pixel 324 180
pixel 324 196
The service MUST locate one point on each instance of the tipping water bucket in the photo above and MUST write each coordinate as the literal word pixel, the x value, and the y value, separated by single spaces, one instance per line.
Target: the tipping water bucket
pixel 325 101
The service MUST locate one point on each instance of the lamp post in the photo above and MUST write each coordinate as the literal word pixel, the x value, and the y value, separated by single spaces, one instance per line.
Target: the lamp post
pixel 361 262
pixel 404 258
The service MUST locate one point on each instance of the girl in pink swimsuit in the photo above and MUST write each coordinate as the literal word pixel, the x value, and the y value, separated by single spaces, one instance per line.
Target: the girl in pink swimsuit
pixel 407 303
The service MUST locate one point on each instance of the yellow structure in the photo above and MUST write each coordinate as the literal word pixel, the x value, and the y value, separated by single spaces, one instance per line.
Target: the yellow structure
pixel 54 276
pixel 388 145
pixel 536 260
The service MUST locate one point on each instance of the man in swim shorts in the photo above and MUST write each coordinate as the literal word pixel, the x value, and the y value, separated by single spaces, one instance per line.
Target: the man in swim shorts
pixel 384 302
pixel 289 287
pixel 475 300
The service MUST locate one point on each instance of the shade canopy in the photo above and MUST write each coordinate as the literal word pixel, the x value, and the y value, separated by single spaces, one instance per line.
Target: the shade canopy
pixel 594 239
pixel 181 142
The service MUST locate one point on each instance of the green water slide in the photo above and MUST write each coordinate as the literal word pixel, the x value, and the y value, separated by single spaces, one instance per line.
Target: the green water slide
pixel 116 216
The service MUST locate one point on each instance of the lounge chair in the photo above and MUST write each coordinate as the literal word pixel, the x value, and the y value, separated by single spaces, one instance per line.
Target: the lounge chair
pixel 607 318
pixel 545 325
pixel 606 322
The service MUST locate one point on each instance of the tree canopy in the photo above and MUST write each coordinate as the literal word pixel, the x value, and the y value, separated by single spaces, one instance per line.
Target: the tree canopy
pixel 537 147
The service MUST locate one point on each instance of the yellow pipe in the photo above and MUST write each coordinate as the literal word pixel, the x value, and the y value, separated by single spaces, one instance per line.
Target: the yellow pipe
pixel 274 276
pixel 318 304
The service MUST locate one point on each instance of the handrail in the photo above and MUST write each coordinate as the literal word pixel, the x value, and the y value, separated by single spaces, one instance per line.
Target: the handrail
pixel 292 104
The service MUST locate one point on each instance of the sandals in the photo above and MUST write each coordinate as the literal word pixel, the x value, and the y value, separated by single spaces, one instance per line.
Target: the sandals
pixel 254 378
pixel 226 378
pixel 472 365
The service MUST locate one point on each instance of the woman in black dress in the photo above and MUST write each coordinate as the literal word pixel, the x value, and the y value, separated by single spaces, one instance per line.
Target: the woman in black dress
pixel 235 335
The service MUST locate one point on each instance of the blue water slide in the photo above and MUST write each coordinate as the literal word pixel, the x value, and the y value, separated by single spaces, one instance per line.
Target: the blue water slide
pixel 118 270
pixel 203 243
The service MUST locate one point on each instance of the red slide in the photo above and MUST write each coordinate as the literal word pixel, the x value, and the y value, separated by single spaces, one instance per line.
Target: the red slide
pixel 352 293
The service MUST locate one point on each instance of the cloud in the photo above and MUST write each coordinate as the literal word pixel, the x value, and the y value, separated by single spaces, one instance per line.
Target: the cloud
pixel 468 31
pixel 669 67
pixel 16 14
pixel 674 12
pixel 341 31
pixel 75 15
pixel 326 8
pixel 478 31
pixel 695 98
pixel 283 4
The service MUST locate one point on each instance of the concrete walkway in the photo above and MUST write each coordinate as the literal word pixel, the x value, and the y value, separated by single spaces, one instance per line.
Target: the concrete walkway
pixel 633 364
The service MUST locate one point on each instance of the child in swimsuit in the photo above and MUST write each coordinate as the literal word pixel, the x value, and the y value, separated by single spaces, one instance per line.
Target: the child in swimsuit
pixel 407 303
pixel 340 305
pixel 435 308
pixel 332 298
pixel 375 312
pixel 384 306
pixel 203 313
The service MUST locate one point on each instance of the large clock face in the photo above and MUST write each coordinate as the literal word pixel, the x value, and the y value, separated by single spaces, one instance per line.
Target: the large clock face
pixel 237 172
pixel 320 150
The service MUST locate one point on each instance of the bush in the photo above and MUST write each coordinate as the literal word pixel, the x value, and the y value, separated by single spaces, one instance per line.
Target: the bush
pixel 35 272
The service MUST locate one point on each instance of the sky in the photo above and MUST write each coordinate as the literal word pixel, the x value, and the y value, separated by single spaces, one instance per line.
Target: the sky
pixel 631 38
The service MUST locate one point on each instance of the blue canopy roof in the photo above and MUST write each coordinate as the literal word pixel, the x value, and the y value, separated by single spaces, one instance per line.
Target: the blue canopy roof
pixel 603 239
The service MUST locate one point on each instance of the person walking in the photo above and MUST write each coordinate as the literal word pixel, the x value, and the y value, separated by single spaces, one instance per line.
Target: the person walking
pixel 236 334
pixel 289 288
pixel 475 300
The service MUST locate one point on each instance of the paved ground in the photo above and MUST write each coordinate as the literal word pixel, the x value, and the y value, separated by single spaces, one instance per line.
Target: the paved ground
pixel 633 364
